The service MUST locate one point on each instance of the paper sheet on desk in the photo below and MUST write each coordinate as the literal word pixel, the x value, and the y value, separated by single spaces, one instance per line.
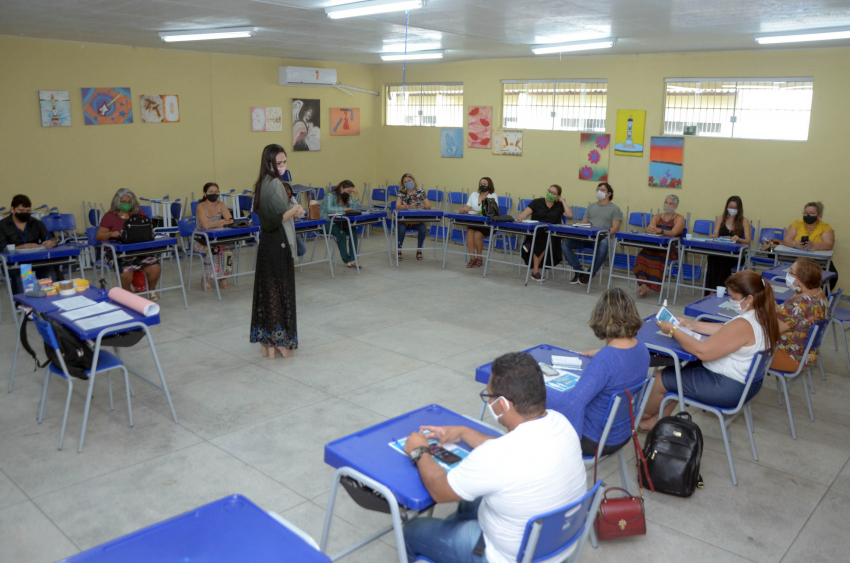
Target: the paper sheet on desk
pixel 90 311
pixel 586 225
pixel 74 303
pixel 104 320
pixel 454 448
pixel 566 362
pixel 563 382
pixel 665 315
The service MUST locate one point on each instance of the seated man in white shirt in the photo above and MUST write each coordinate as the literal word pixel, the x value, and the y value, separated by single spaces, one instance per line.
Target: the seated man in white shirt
pixel 535 468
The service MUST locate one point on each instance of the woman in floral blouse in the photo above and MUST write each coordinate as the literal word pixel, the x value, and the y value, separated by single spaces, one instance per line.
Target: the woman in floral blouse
pixel 411 196
pixel 797 315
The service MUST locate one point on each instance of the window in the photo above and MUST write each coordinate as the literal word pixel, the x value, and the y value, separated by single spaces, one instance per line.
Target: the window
pixel 425 105
pixel 736 108
pixel 555 105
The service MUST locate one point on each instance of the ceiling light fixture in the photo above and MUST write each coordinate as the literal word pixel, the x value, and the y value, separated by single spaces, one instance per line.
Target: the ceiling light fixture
pixel 803 37
pixel 415 56
pixel 574 46
pixel 203 34
pixel 372 7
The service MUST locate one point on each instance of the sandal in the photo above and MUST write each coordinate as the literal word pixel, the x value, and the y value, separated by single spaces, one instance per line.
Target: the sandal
pixel 419 255
pixel 471 263
pixel 400 257
pixel 479 262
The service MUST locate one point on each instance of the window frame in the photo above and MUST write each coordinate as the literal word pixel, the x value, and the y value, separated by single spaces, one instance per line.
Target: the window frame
pixel 735 108
pixel 389 85
pixel 555 82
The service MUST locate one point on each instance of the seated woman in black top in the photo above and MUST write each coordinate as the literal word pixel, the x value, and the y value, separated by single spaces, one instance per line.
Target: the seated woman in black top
pixel 546 210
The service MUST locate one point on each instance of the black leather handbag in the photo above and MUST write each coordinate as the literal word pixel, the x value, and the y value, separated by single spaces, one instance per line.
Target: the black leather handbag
pixel 490 207
pixel 673 449
pixel 137 228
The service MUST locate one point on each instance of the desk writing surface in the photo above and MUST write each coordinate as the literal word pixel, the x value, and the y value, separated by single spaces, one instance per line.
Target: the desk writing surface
pixel 779 271
pixel 229 530
pixel 649 335
pixel 589 232
pixel 660 240
pixel 48 304
pixel 419 213
pixel 39 255
pixel 466 217
pixel 708 244
pixel 368 451
pixel 147 245
pixel 92 334
pixel 360 218
pixel 228 231
pixel 542 353
pixel 814 254
pixel 309 224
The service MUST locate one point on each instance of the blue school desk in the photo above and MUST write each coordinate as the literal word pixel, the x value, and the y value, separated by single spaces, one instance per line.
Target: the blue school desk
pixel 160 246
pixel 507 230
pixel 642 240
pixel 707 247
pixel 415 216
pixel 585 234
pixel 464 220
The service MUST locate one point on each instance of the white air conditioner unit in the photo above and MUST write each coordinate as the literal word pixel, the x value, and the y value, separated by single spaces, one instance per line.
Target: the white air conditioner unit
pixel 303 76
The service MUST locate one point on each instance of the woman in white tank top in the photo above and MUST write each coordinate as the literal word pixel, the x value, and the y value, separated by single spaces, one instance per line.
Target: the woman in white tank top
pixel 719 377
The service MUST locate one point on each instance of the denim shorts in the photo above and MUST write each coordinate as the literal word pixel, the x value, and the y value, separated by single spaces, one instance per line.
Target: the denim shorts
pixel 706 386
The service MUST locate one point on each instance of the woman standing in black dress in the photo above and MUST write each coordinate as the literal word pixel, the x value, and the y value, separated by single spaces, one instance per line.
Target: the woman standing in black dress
pixel 273 322
pixel 734 225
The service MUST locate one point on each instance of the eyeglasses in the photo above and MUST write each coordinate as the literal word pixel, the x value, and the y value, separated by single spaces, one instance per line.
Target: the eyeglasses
pixel 485 396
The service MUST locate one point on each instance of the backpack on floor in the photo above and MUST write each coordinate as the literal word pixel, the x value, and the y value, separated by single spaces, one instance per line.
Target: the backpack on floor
pixel 673 450
pixel 78 356
pixel 137 228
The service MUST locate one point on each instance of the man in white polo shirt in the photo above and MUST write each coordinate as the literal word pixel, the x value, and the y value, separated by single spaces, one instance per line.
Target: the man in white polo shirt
pixel 535 468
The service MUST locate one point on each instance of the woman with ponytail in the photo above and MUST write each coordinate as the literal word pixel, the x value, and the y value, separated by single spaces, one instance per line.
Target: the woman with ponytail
pixel 719 376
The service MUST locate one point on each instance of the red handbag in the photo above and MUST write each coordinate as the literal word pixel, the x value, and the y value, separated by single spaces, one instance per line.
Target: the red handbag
pixel 622 516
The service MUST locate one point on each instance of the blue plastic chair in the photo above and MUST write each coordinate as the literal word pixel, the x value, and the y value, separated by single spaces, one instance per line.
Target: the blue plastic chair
pixel 522 204
pixel 549 534
pixel 185 228
pixel 761 257
pixel 758 369
pixel 94 217
pixel 840 317
pixel 246 203
pixel 392 191
pixel 506 204
pixel 703 227
pixel 638 219
pixel 194 207
pixel 784 378
pixel 60 223
pixel 105 362
pixel 147 209
pixel 616 417
pixel 379 199
pixel 578 212
pixel 457 198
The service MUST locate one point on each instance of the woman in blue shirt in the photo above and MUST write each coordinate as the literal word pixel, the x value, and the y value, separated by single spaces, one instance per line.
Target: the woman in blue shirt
pixel 341 199
pixel 622 363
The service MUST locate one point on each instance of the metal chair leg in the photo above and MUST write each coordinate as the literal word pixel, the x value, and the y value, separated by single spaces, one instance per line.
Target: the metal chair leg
pixel 748 419
pixel 788 406
pixel 65 416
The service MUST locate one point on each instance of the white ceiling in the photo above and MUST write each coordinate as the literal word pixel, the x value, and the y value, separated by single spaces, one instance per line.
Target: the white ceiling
pixel 468 29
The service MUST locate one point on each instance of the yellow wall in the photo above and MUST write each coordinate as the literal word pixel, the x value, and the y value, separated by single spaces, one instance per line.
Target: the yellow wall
pixel 774 178
pixel 213 141
pixel 62 166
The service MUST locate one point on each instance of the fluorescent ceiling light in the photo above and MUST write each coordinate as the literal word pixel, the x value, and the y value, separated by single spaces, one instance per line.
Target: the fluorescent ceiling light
pixel 803 37
pixel 399 47
pixel 574 46
pixel 371 7
pixel 419 55
pixel 200 35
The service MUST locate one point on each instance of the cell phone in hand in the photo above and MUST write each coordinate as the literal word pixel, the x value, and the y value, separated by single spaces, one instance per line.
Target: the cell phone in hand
pixel 443 454
pixel 804 240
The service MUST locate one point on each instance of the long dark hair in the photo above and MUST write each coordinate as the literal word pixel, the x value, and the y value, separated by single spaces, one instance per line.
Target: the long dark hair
pixel 341 196
pixel 746 283
pixel 738 224
pixel 207 186
pixel 268 167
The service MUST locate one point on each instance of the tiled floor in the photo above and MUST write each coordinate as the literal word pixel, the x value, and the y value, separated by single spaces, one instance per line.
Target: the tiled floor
pixel 374 346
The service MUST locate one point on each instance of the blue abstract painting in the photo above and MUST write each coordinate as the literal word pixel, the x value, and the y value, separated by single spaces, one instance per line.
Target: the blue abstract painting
pixel 451 143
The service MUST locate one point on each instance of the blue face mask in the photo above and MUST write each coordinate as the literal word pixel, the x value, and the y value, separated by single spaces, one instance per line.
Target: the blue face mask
pixel 409 185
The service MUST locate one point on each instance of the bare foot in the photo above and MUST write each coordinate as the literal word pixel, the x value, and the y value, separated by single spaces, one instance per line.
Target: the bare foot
pixel 265 351
pixel 223 284
pixel 285 352
pixel 648 424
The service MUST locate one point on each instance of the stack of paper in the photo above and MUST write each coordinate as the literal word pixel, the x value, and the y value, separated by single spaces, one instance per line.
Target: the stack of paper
pixel 566 362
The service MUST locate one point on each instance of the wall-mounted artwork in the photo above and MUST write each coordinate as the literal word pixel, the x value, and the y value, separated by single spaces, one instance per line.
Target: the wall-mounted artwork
pixel 274 119
pixel 593 156
pixel 451 143
pixel 159 108
pixel 507 142
pixel 666 155
pixel 306 126
pixel 107 106
pixel 258 119
pixel 345 122
pixel 55 108
pixel 478 130
pixel 628 141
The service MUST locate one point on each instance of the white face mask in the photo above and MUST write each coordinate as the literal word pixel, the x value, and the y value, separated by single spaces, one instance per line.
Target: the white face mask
pixel 731 212
pixel 736 306
pixel 789 281
pixel 493 414
pixel 601 194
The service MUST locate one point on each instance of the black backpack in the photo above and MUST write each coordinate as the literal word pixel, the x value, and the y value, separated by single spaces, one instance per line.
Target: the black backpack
pixel 78 356
pixel 137 228
pixel 673 450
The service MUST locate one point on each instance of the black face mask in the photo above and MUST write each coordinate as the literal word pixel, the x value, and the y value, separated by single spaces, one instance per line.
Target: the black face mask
pixel 483 189
pixel 23 217
pixel 212 197
pixel 809 220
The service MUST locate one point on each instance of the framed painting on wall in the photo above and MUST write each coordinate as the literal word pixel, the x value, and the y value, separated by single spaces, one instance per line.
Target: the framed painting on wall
pixel 478 130
pixel 345 122
pixel 666 157
pixel 107 106
pixel 451 143
pixel 55 108
pixel 593 156
pixel 628 140
pixel 306 125
pixel 507 142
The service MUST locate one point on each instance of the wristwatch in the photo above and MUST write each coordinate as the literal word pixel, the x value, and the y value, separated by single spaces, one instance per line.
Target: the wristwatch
pixel 416 454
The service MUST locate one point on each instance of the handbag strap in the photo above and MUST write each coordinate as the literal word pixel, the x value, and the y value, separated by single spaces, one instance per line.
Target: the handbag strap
pixel 639 457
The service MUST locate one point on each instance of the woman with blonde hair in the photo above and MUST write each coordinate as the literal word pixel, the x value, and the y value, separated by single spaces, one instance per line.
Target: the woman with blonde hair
pixel 623 362
pixel 411 196
pixel 812 233
pixel 797 315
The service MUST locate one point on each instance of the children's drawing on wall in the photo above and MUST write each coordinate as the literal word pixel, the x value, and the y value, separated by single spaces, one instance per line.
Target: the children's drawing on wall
pixel 107 106
pixel 274 119
pixel 258 119
pixel 55 108
pixel 345 122
pixel 451 143
pixel 629 137
pixel 159 108
pixel 666 156
pixel 478 131
pixel 593 156
pixel 507 142
pixel 306 132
